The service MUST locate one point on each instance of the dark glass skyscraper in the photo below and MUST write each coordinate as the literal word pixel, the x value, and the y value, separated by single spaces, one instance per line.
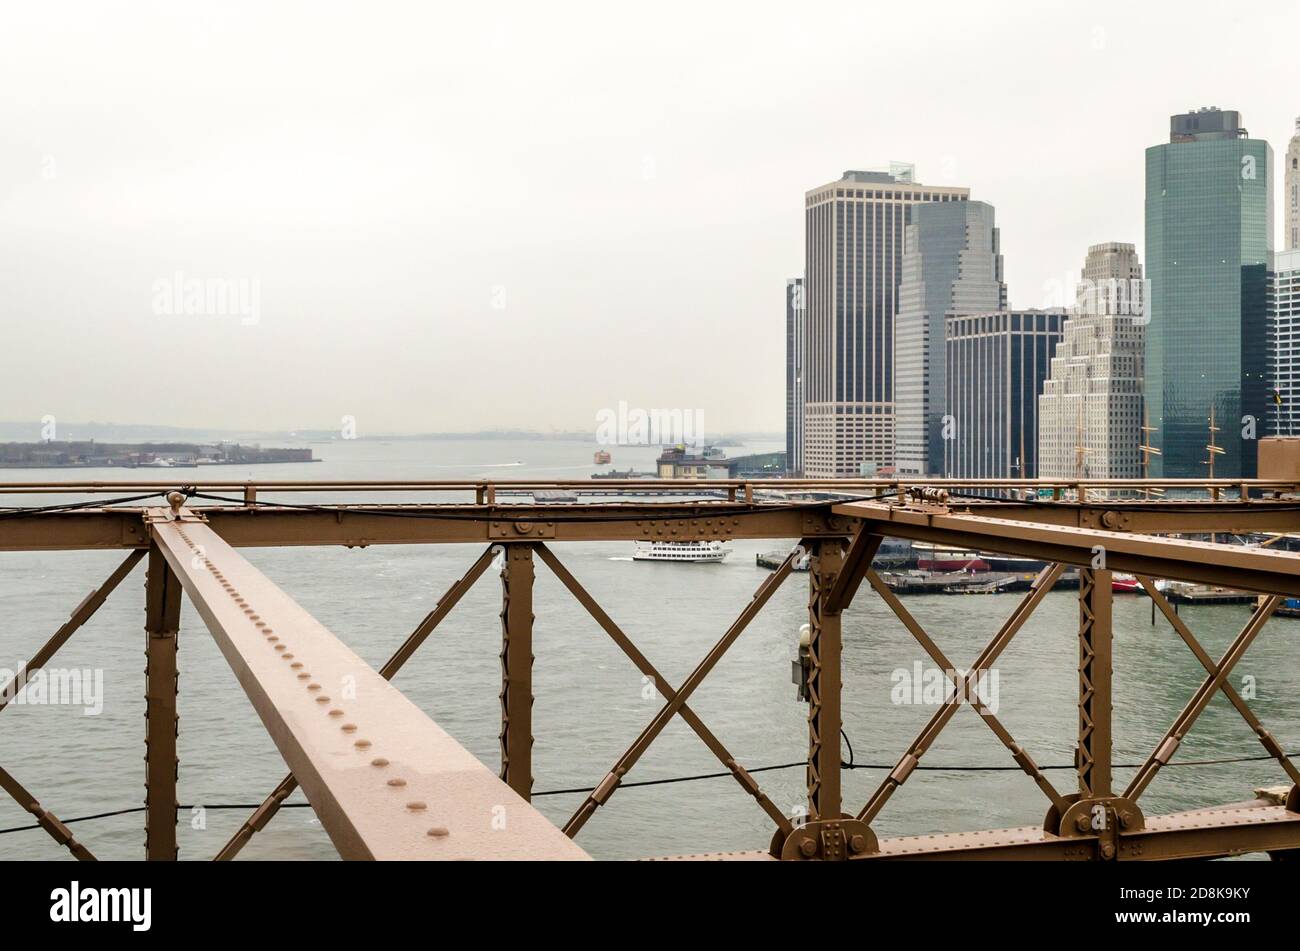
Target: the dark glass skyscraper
pixel 996 367
pixel 1209 233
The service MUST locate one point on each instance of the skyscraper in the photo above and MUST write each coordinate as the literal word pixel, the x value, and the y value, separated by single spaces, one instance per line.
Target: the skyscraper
pixel 997 363
pixel 854 249
pixel 794 344
pixel 1209 233
pixel 1284 345
pixel 951 265
pixel 1292 185
pixel 1090 410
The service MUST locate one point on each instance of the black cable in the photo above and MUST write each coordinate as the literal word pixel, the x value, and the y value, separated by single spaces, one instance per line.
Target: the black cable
pixel 665 782
pixel 704 512
pixel 687 779
pixel 127 812
pixel 17 511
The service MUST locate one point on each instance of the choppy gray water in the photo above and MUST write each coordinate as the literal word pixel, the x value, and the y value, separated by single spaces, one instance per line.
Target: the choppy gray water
pixel 591 702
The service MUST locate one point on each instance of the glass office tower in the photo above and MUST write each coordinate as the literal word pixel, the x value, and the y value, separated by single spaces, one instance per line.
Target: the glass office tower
pixel 1209 234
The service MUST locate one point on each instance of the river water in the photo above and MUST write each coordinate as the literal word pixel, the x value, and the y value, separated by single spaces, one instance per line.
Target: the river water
pixel 590 701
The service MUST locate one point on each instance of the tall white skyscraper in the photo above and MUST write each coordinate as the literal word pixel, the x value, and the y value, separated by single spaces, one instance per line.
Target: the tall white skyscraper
pixel 1292 199
pixel 853 261
pixel 794 344
pixel 1284 342
pixel 1090 411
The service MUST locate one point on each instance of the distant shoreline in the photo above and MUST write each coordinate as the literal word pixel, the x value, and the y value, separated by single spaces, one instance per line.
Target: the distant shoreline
pixel 175 465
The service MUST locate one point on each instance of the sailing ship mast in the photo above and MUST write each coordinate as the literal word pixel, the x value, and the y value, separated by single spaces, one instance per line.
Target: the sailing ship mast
pixel 1211 448
pixel 1147 449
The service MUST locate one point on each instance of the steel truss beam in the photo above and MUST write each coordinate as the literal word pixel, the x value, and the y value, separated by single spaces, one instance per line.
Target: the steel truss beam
pixel 162 725
pixel 271 805
pixel 1022 758
pixel 385 780
pixel 1233 566
pixel 80 615
pixel 969 687
pixel 388 524
pixel 516 735
pixel 1266 739
pixel 746 781
pixel 1218 673
pixel 674 704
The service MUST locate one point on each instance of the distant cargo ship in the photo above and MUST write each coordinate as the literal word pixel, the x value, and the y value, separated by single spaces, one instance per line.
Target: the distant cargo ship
pixel 602 458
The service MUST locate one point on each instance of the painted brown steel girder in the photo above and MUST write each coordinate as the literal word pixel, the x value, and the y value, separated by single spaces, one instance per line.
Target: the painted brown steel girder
pixel 80 615
pixel 1266 739
pixel 1041 585
pixel 1173 737
pixel 1018 753
pixel 384 779
pixel 625 643
pixel 354 525
pixel 1233 566
pixel 162 725
pixel 1062 533
pixel 271 805
pixel 1095 669
pixel 672 707
pixel 516 735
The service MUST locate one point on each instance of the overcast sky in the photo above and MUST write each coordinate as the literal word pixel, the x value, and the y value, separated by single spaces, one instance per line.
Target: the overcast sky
pixel 456 220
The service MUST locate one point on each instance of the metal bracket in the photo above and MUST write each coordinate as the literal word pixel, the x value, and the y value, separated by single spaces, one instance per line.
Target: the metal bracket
pixel 1109 520
pixel 520 530
pixel 154 516
pixel 829 840
pixel 1104 820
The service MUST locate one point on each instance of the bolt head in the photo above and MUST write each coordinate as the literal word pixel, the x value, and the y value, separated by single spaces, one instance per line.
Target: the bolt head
pixel 808 847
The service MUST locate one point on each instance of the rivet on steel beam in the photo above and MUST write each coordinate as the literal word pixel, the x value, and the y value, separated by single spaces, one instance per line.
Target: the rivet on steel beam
pixel 378 761
pixel 416 805
pixel 397 781
pixel 438 832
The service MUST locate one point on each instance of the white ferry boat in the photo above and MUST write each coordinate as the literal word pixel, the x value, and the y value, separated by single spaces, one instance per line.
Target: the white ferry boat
pixel 697 551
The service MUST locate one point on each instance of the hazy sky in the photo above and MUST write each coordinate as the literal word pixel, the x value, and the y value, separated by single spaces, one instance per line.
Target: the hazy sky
pixel 458 220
